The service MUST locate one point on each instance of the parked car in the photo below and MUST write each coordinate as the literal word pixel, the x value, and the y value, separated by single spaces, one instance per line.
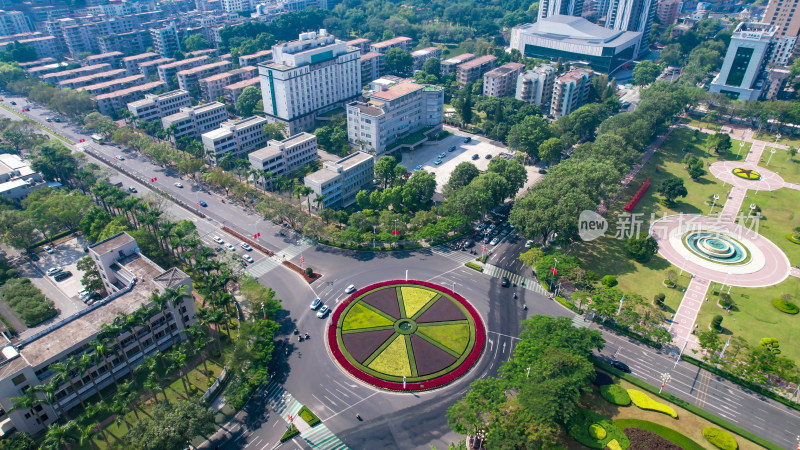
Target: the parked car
pixel 218 240
pixel 230 247
pixel 316 303
pixel 468 244
pixel 467 139
pixel 528 244
pixel 504 282
pixel 48 249
pixel 178 185
pixel 61 276
pixel 495 241
pixel 480 226
pixel 442 155
pixel 33 256
pixel 322 311
pixel 542 171
pixel 475 156
pixel 53 270
pixel 14 103
pixel 418 167
pixel 437 162
pixel 620 366
pixel 350 289
pixel 246 246
pixel 248 258
pixel 492 227
pixel 488 156
pixel 132 189
pixel 452 149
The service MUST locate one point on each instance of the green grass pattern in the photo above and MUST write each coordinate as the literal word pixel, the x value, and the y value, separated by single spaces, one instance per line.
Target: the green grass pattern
pixel 665 432
pixel 453 336
pixel 362 315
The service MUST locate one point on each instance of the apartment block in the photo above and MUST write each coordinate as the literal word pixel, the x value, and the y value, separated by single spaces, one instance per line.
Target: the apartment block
pixel 536 86
pixel 668 11
pixel 237 137
pixel 449 65
pixel 233 91
pixel 548 8
pixel 422 55
pixel 130 279
pixel 193 121
pixel 110 58
pixel 392 114
pixel 45 46
pixel 189 79
pixel 309 76
pixel 131 63
pixel 112 102
pixel 238 5
pixel 473 70
pixel 15 37
pixel 13 22
pixel 282 157
pixel 156 106
pixel 86 80
pixel 40 71
pixel 150 68
pixel 255 58
pixel 37 63
pixel 17 178
pixel 401 42
pixel 212 87
pixel 165 40
pixel 57 77
pixel 114 85
pixel 131 43
pixel 340 181
pixel 570 91
pixel 168 72
pixel 361 43
pixel 502 81
pixel 373 66
pixel 782 15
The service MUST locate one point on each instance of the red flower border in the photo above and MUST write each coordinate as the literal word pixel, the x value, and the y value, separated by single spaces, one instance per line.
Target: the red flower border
pixel 472 358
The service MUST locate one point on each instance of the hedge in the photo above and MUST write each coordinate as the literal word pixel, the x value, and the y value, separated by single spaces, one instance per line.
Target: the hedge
pixel 474 266
pixel 720 438
pixel 687 406
pixel 741 382
pixel 582 430
pixel 291 432
pixel 310 418
pixel 52 238
pixel 643 401
pixel 569 305
pixel 786 307
pixel 629 333
pixel 615 394
pixel 665 432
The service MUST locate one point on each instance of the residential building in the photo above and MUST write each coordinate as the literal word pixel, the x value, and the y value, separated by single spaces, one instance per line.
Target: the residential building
pixel 668 11
pixel 783 15
pixel 110 58
pixel 45 46
pixel 15 37
pixel 502 81
pixel 156 106
pixel 150 68
pixel 40 71
pixel 189 79
pixel 212 87
pixel 340 181
pixel 114 85
pixel 57 77
pixel 361 43
pixel 235 137
pixel 449 65
pixel 576 39
pixel 550 8
pixel 392 114
pixel 233 91
pixel 112 102
pixel 165 40
pixel 85 80
pixel 37 63
pixel 131 43
pixel 193 121
pixel 373 66
pixel 632 15
pixel 238 5
pixel 130 278
pixel 536 86
pixel 570 91
pixel 422 55
pixel 17 179
pixel 13 22
pixel 776 79
pixel 473 70
pixel 309 76
pixel 742 74
pixel 282 157
pixel 79 38
pixel 401 42
pixel 168 72
pixel 131 63
pixel 255 58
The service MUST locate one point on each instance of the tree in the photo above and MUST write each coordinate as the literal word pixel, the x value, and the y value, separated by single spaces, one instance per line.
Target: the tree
pixel 720 142
pixel 646 72
pixel 550 150
pixel 432 66
pixel 716 323
pixel 461 176
pixel 398 61
pixel 275 130
pixel 418 191
pixel 28 402
pixel 529 257
pixel 641 247
pixel 671 189
pixel 384 170
pixel 529 134
pixel 465 109
pixel 91 276
pixel 195 42
pixel 694 166
pixel 246 103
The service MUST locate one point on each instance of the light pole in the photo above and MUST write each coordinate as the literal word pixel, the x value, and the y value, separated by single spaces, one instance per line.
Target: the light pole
pixel 665 377
pixel 716 197
pixel 771 152
pixel 529 373
pixel 741 146
pixel 454 287
pixel 373 237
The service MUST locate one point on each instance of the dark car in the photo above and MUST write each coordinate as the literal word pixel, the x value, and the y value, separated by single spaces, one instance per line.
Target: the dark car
pixel 61 276
pixel 475 156
pixel 33 257
pixel 14 103
pixel 504 282
pixel 542 171
pixel 467 139
pixel 489 156
pixel 452 149
pixel 203 204
pixel 620 366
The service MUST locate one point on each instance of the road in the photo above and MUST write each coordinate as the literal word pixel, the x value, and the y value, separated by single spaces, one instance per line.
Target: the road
pixel 402 421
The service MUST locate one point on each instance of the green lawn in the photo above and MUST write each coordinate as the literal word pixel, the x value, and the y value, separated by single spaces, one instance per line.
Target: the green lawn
pixel 700 124
pixel 754 317
pixel 786 167
pixel 786 139
pixel 780 217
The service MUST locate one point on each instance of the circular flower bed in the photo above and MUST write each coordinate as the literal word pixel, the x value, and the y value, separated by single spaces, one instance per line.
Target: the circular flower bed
pixel 785 306
pixel 793 238
pixel 747 174
pixel 415 331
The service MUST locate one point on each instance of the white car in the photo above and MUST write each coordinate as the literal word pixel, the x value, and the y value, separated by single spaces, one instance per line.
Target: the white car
pixel 492 227
pixel 248 258
pixel 437 162
pixel 246 246
pixel 315 304
pixel 178 185
pixel 528 244
pixel 350 289
pixel 120 158
pixel 230 247
pixel 48 249
pixel 495 241
pixel 442 155
pixel 54 270
pixel 322 311
pixel 218 240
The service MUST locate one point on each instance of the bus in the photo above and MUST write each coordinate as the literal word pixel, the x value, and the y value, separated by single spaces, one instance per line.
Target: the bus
pixel 97 138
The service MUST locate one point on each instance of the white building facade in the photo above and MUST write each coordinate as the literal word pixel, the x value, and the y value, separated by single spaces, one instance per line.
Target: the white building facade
pixel 236 137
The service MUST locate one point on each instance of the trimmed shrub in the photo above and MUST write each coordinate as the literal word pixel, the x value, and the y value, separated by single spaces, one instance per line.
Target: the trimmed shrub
pixel 644 401
pixel 596 431
pixel 474 266
pixel 720 438
pixel 291 432
pixel 27 301
pixel 659 299
pixel 784 306
pixel 609 281
pixel 310 418
pixel 615 394
pixel 581 430
pixel 716 323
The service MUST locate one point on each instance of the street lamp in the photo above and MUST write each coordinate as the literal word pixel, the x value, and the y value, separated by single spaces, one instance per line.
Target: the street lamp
pixel 665 377
pixel 741 145
pixel 716 197
pixel 771 152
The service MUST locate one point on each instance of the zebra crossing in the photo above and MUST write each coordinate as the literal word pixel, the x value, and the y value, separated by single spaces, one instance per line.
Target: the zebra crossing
pixel 260 268
pixel 455 255
pixel 322 438
pixel 579 322
pixel 293 250
pixel 524 282
pixel 281 401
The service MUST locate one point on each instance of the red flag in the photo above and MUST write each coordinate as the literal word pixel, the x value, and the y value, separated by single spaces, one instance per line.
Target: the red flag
pixel 553 269
pixel 255 236
pixel 302 259
pixel 259 234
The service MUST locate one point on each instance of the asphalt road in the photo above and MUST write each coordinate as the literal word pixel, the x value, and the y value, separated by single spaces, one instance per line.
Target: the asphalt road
pixel 404 421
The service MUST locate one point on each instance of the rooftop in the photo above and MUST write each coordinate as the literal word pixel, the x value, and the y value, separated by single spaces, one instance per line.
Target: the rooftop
pixel 576 30
pixel 477 62
pixel 138 88
pixel 75 71
pixel 371 55
pixel 93 76
pixel 358 41
pixel 37 69
pixel 257 54
pixel 230 73
pixel 504 69
pixel 297 139
pixel 204 67
pixel 353 160
pixel 459 59
pixel 266 152
pixel 397 91
pixel 367 109
pixel 38 62
pixel 390 42
pixel 574 75
pixel 243 84
pixel 156 62
pixel 425 51
pixel 321 176
pixel 103 247
pixel 176 64
pixel 112 82
pixel 10 162
pixel 139 56
pixel 104 55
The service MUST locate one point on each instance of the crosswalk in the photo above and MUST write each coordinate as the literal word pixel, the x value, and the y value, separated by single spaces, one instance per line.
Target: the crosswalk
pixel 455 255
pixel 322 438
pixel 524 282
pixel 579 322
pixel 293 250
pixel 271 262
pixel 262 267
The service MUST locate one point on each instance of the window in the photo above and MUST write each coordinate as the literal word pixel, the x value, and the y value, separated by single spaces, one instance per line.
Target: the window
pixel 18 379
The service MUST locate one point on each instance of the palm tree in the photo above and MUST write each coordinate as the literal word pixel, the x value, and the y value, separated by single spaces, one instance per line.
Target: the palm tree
pixel 64 371
pixel 60 436
pixel 200 340
pixel 28 401
pixel 102 348
pixel 319 200
pixel 119 406
pixel 212 317
pixel 127 393
pixel 93 414
pixel 112 332
pixel 129 322
pixel 175 298
pixel 178 357
pixel 161 302
pixel 85 364
pixel 49 390
pixel 268 175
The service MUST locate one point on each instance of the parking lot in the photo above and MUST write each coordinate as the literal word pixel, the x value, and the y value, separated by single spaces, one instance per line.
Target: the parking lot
pixel 425 157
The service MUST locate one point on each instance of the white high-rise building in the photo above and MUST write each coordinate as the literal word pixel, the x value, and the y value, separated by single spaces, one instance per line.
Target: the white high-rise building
pixel 536 86
pixel 549 8
pixel 195 120
pixel 632 15
pixel 570 91
pixel 742 74
pixel 233 6
pixel 13 22
pixel 309 76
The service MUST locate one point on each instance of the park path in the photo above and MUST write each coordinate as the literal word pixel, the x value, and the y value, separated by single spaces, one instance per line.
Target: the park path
pixel 684 321
pixel 733 204
pixel 795 272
